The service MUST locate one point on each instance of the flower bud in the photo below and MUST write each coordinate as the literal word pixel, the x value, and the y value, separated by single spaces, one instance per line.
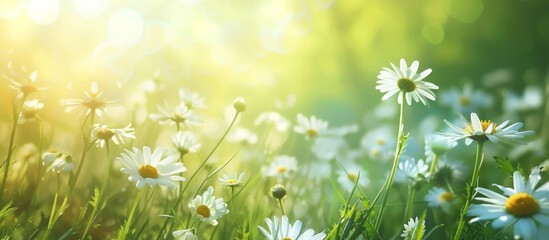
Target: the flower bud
pixel 239 104
pixel 278 191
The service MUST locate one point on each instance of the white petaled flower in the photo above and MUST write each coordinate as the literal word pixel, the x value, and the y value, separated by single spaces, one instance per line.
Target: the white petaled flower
pixel 185 142
pixel 94 102
pixel 27 85
pixel 232 181
pixel 481 131
pixel 280 123
pixel 310 127
pixel 411 171
pixel 151 168
pixel 180 115
pixel 348 176
pixel 412 227
pixel 191 99
pixel 58 162
pixel 436 144
pixel 242 136
pixel 440 197
pixel 405 80
pixel 101 134
pixel 185 234
pixel 207 208
pixel 379 143
pixel 467 100
pixel 283 230
pixel 28 111
pixel 281 167
pixel 524 206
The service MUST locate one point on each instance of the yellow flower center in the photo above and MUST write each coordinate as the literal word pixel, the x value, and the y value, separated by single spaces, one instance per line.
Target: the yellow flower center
pixel 287 238
pixel 484 124
pixel 93 104
pixel 281 169
pixel 105 134
pixel 29 113
pixel 312 132
pixel 203 211
pixel 352 177
pixel 148 171
pixel 178 118
pixel 28 89
pixel 446 197
pixel 380 141
pixel 521 205
pixel 232 181
pixel 406 85
pixel 464 101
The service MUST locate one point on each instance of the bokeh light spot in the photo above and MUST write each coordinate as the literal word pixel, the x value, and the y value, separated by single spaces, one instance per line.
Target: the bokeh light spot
pixel 90 8
pixel 433 33
pixel 43 12
pixel 125 27
pixel 467 11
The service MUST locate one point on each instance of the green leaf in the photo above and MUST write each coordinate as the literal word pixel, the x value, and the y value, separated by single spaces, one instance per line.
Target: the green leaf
pixel 505 165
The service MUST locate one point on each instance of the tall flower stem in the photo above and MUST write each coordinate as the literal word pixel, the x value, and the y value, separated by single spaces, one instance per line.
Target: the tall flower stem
pixel 410 203
pixel 398 150
pixel 98 201
pixel 234 208
pixel 433 165
pixel 126 228
pixel 470 188
pixel 282 207
pixel 7 162
pixel 87 147
pixel 178 201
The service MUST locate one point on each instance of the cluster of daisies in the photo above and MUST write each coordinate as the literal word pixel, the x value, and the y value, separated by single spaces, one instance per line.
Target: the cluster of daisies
pixel 524 207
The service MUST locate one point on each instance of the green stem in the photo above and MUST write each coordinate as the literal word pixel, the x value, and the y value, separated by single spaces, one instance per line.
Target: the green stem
pixel 409 204
pixel 398 150
pixel 87 147
pixel 98 203
pixel 433 165
pixel 234 209
pixel 122 234
pixel 178 201
pixel 16 111
pixel 472 186
pixel 282 207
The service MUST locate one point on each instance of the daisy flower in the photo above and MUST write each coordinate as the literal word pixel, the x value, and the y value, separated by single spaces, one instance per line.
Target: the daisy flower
pixel 146 168
pixel 27 86
pixel 405 80
pixel 58 162
pixel 94 103
pixel 179 115
pixel 185 234
pixel 281 166
pixel 102 133
pixel 481 131
pixel 467 100
pixel 524 206
pixel 310 127
pixel 191 100
pixel 242 136
pixel 283 230
pixel 185 142
pixel 440 197
pixel 207 208
pixel 28 112
pixel 348 176
pixel 379 143
pixel 280 123
pixel 234 181
pixel 411 171
pixel 412 227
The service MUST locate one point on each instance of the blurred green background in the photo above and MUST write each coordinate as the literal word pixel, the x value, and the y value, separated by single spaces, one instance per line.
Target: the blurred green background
pixel 327 53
